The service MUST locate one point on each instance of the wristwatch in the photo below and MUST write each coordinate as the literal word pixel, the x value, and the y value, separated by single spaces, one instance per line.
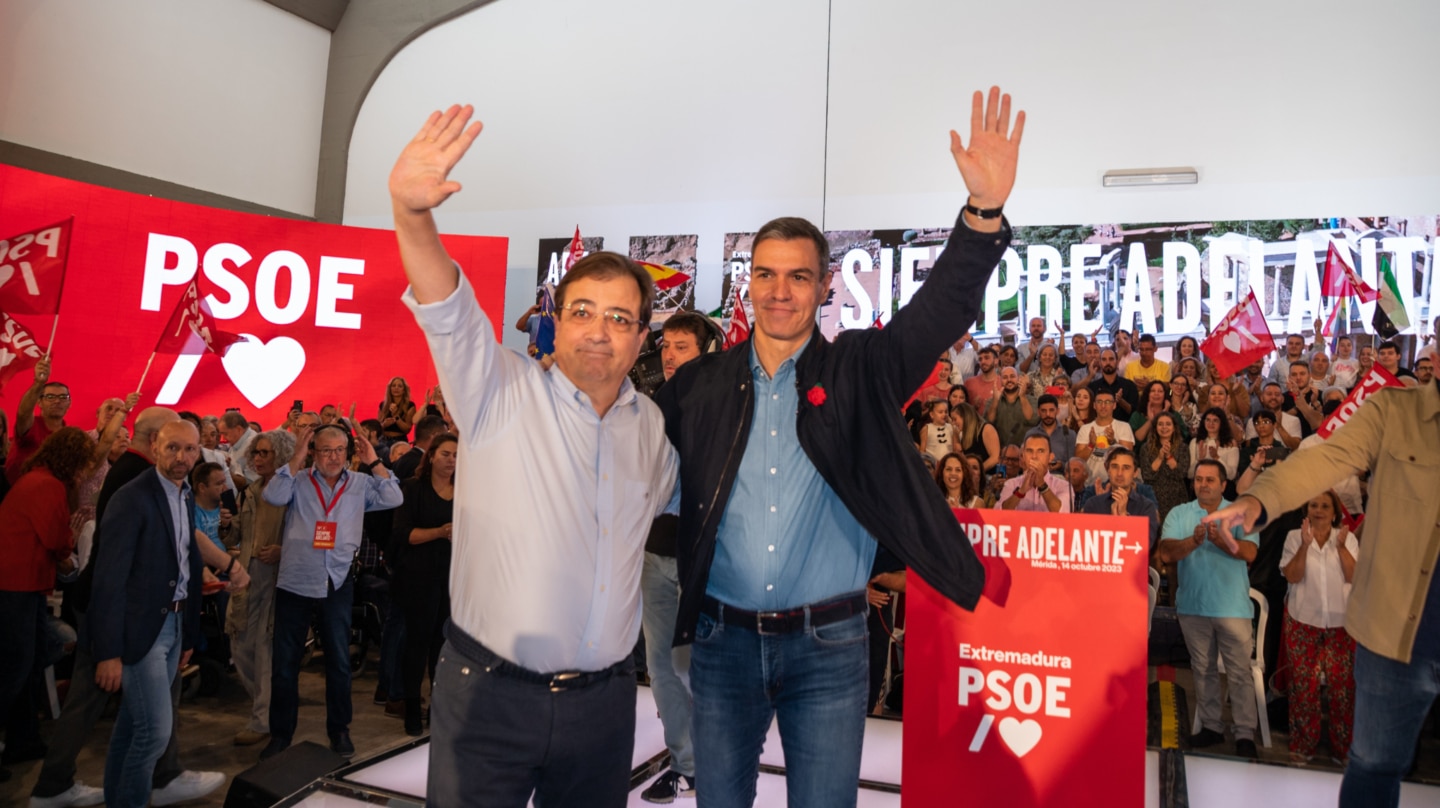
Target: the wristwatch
pixel 371 465
pixel 984 213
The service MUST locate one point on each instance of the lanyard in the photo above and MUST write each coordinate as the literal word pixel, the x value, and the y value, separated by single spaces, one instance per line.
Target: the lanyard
pixel 321 494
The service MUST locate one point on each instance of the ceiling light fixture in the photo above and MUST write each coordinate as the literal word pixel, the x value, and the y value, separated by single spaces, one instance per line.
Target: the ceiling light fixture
pixel 1148 177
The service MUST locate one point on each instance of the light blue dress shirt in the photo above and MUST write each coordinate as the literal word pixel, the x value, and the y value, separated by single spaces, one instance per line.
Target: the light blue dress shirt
pixel 552 502
pixel 1213 583
pixel 304 569
pixel 785 538
pixel 178 496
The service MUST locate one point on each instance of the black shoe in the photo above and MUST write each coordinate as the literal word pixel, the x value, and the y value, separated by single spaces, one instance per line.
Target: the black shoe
pixel 1204 738
pixel 1245 748
pixel 380 697
pixel 671 784
pixel 275 747
pixel 340 744
pixel 21 754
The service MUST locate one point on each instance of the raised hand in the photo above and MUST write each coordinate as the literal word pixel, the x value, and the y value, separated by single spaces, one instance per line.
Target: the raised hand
pixel 302 449
pixel 420 179
pixel 988 163
pixel 364 449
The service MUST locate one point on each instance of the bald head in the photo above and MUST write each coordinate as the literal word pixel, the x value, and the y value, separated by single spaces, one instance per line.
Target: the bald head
pixel 175 448
pixel 147 424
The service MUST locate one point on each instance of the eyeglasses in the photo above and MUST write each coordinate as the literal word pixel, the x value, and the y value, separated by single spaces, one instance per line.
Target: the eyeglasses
pixel 55 397
pixel 615 319
pixel 338 450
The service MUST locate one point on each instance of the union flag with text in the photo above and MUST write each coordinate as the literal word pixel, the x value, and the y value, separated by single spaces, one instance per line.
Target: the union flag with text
pixel 32 269
pixel 1240 339
pixel 18 350
pixel 192 316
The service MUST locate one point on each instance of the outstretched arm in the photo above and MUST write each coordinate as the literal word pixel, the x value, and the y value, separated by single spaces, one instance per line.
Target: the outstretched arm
pixel 419 182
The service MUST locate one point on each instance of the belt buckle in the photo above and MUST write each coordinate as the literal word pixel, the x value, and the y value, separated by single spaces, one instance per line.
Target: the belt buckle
pixel 563 681
pixel 760 618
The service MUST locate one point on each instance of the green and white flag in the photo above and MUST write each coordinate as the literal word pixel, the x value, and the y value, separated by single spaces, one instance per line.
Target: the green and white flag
pixel 1390 317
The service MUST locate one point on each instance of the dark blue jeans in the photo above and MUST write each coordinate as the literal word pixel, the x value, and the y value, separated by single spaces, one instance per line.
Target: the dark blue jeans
pixel 293 615
pixel 814 681
pixel 495 739
pixel 21 624
pixel 1391 702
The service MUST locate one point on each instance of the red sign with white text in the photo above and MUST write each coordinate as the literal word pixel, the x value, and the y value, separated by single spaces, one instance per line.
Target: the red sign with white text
pixel 32 269
pixel 1037 698
pixel 1377 379
pixel 320 303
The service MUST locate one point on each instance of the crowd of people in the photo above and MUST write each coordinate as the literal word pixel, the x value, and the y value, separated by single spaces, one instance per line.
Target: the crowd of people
pixel 517 588
pixel 1108 429
pixel 275 529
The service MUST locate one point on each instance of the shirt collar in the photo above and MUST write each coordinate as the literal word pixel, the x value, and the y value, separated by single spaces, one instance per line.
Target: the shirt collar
pixel 626 396
pixel 759 370
pixel 182 487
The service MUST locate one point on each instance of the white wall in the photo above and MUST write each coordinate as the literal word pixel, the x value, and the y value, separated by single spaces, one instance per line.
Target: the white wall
pixel 641 117
pixel 223 95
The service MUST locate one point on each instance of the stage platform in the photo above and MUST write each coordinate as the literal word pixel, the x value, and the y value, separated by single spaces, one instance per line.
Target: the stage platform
pixel 396 777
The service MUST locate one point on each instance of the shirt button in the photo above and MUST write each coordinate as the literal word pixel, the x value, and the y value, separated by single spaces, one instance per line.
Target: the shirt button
pixel 172 583
pixel 769 587
pixel 772 433
pixel 776 397
pixel 772 508
pixel 772 548
pixel 772 469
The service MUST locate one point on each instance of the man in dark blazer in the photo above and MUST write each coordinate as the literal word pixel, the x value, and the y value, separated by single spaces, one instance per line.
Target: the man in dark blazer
pixel 145 608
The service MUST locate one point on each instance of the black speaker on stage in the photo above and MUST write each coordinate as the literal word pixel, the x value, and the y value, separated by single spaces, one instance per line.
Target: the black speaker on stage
pixel 272 780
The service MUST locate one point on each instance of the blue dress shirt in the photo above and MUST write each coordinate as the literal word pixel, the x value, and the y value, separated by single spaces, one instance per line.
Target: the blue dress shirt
pixel 785 538
pixel 304 569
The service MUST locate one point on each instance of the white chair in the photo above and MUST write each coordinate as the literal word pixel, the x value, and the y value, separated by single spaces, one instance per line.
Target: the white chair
pixel 1257 670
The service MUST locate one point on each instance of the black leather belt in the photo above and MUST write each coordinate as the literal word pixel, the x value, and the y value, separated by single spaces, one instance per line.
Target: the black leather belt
pixel 790 620
pixel 557 682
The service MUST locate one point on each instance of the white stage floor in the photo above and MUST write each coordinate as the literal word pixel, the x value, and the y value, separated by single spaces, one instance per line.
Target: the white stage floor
pixel 1213 782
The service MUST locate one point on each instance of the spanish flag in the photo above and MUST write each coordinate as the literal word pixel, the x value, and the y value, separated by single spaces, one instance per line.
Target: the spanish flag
pixel 665 278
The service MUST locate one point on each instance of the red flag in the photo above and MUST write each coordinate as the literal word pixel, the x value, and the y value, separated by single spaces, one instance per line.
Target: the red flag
pixel 1377 379
pixel 1340 278
pixel 576 251
pixel 739 329
pixel 1240 339
pixel 192 316
pixel 18 350
pixel 32 269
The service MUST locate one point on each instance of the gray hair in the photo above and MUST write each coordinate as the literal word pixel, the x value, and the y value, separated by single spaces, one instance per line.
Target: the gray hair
pixel 282 444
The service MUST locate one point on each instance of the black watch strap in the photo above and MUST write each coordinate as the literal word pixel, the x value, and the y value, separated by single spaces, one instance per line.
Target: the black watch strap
pixel 984 213
pixel 372 464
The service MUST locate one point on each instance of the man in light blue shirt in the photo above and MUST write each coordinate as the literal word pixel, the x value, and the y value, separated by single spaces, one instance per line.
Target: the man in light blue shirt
pixel 1213 606
pixel 323 525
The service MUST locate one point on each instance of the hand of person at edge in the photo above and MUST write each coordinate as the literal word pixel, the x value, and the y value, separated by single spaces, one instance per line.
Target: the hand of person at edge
pixel 988 162
pixel 420 179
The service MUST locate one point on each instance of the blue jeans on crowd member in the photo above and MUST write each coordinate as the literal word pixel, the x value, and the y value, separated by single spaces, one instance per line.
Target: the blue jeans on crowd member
pixel 142 729
pixel 813 681
pixel 293 616
pixel 1391 702
pixel 669 667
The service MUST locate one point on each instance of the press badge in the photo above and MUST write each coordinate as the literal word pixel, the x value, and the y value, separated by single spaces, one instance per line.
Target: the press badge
pixel 325 535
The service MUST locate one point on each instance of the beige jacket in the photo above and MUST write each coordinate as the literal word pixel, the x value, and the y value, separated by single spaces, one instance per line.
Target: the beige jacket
pixel 259 524
pixel 1396 435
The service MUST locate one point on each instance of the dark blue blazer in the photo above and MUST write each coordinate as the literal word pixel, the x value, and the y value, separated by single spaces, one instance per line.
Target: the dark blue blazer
pixel 137 573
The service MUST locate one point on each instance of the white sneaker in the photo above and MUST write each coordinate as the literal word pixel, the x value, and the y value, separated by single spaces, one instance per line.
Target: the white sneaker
pixel 77 794
pixel 188 786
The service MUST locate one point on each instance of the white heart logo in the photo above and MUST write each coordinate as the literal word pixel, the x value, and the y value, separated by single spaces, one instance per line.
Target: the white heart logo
pixel 1020 736
pixel 261 371
pixel 1232 342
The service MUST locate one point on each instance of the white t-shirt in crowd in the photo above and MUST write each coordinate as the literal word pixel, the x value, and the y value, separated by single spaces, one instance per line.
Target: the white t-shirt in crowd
pixel 1319 599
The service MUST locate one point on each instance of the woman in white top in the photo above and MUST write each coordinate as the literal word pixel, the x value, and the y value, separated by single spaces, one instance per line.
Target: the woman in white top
pixel 1215 441
pixel 956 483
pixel 1319 563
pixel 936 437
pixel 1345 368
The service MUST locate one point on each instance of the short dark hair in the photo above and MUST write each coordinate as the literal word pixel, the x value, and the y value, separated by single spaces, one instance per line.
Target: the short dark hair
pixel 604 266
pixel 426 429
pixel 1047 399
pixel 1147 338
pixel 1266 414
pixel 1218 466
pixel 790 228
pixel 691 323
pixel 186 415
pixel 1119 451
pixel 233 419
pixel 1302 363
pixel 57 384
pixel 202 472
pixel 1389 343
pixel 987 349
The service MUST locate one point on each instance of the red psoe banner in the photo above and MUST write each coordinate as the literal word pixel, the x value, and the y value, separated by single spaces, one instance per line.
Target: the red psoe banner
pixel 32 269
pixel 319 304
pixel 1037 698
pixel 1377 379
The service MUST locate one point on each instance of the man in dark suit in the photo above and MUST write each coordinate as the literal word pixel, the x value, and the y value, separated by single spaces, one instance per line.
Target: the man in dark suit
pixel 425 431
pixel 145 608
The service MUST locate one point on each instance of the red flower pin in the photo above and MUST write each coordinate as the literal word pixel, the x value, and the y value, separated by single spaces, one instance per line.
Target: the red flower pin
pixel 816 396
